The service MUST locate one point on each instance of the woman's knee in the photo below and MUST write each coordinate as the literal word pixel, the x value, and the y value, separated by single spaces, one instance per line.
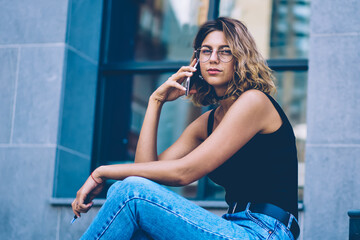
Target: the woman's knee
pixel 135 180
pixel 113 188
pixel 132 184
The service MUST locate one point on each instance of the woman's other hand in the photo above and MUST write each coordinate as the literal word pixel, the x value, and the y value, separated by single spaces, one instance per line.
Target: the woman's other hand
pixel 91 188
pixel 172 88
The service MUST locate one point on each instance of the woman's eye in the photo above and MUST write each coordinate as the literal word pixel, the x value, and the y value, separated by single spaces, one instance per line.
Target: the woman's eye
pixel 225 52
pixel 206 51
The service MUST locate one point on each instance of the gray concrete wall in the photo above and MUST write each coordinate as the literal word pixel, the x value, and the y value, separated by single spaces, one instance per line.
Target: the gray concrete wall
pixel 48 55
pixel 333 145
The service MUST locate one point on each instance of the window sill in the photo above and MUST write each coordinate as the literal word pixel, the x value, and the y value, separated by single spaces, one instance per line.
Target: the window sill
pixel 100 202
pixel 204 204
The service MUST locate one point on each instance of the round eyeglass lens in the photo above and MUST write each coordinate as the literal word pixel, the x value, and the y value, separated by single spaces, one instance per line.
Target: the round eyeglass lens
pixel 204 54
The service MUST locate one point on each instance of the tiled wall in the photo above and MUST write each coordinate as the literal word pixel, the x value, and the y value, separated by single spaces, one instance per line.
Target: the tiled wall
pixel 333 145
pixel 48 73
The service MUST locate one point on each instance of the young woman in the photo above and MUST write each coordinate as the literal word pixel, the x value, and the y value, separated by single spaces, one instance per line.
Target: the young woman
pixel 246 145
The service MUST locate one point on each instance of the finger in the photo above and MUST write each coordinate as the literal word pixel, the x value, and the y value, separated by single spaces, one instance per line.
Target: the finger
pixel 89 205
pixel 193 91
pixel 77 214
pixel 180 76
pixel 82 207
pixel 86 207
pixel 74 206
pixel 193 62
pixel 188 68
pixel 178 86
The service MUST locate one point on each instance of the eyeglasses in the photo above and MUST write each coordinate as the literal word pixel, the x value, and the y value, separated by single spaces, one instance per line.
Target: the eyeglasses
pixel 204 54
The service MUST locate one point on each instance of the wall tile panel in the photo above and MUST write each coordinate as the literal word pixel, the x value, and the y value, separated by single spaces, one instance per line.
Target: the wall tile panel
pixel 8 60
pixel 74 232
pixel 334 90
pixel 26 175
pixel 83 31
pixel 38 95
pixel 72 172
pixel 330 191
pixel 334 17
pixel 35 21
pixel 79 104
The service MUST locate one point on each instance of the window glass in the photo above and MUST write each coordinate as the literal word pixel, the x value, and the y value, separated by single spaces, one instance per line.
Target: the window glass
pixel 175 115
pixel 291 95
pixel 280 28
pixel 125 101
pixel 153 30
pixel 166 29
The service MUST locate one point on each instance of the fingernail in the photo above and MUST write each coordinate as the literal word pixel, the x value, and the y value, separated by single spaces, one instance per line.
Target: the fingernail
pixel 194 69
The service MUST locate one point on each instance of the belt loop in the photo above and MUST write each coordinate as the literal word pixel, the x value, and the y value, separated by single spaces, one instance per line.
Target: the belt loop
pixel 290 221
pixel 234 208
pixel 248 205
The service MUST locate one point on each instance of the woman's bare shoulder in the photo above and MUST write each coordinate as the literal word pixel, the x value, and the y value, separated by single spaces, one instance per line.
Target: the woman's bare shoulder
pixel 255 95
pixel 254 98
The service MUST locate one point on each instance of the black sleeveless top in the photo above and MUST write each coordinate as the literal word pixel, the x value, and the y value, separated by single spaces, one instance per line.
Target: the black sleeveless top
pixel 265 170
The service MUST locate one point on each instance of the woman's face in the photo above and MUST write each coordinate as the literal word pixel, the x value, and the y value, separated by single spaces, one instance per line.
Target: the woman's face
pixel 216 72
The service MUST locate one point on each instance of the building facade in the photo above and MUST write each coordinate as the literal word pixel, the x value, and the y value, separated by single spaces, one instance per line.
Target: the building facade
pixel 76 75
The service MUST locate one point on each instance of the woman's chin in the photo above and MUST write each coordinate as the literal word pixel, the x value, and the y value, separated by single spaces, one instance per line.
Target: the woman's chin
pixel 216 83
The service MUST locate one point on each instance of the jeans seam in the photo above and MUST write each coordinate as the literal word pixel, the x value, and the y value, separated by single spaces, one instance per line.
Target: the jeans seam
pixel 185 219
pixel 166 209
pixel 258 222
pixel 113 218
pixel 286 230
pixel 272 232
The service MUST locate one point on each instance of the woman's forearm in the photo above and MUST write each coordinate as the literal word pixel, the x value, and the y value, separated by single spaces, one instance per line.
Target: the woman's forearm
pixel 171 173
pixel 146 150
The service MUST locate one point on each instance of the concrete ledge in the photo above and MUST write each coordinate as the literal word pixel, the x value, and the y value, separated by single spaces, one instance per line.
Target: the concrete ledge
pixel 354 213
pixel 204 204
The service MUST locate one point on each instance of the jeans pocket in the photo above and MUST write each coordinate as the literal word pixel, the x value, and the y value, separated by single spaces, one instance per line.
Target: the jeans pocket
pixel 263 221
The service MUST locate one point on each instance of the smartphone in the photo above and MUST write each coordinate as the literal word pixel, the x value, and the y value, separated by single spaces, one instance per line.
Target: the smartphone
pixel 188 83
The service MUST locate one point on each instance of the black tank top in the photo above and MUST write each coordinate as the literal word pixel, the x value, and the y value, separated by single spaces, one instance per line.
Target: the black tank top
pixel 265 170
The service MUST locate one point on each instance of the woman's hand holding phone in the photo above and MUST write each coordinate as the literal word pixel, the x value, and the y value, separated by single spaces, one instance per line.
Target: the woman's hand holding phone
pixel 172 88
pixel 188 84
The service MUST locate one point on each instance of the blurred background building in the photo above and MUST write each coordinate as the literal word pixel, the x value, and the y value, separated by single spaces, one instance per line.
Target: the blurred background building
pixel 76 77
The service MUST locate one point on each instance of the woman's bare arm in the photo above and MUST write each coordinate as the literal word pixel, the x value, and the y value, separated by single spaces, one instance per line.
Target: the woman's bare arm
pixel 146 146
pixel 146 150
pixel 245 118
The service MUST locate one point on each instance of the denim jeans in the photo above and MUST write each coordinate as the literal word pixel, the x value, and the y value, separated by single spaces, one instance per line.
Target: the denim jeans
pixel 137 208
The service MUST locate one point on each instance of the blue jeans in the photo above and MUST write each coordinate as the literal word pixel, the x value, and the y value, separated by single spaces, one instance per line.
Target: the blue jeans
pixel 137 208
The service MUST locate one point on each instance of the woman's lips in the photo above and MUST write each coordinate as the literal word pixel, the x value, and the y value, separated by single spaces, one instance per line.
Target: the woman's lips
pixel 213 71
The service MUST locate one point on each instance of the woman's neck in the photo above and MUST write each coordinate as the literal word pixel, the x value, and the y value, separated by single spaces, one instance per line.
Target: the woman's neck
pixel 224 101
pixel 225 105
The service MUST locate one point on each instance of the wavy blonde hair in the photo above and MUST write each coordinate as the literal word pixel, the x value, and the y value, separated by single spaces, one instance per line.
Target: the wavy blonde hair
pixel 250 68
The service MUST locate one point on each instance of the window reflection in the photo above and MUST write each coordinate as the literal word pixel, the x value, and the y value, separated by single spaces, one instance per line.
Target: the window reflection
pixel 280 28
pixel 175 115
pixel 167 28
pixel 291 95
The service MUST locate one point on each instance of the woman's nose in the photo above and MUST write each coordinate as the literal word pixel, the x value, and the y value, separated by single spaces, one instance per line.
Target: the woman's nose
pixel 214 56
